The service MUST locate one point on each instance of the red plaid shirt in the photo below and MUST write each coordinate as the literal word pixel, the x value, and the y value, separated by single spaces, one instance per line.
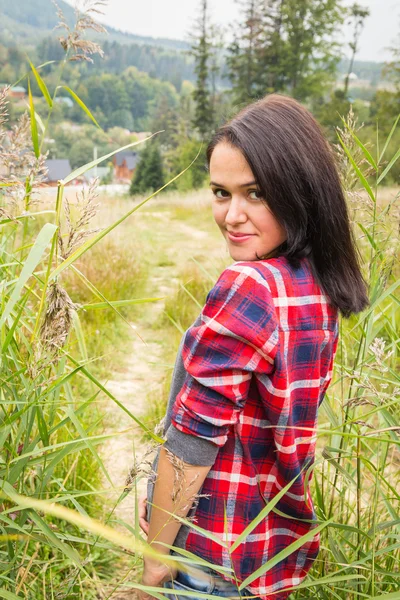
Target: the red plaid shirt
pixel 257 369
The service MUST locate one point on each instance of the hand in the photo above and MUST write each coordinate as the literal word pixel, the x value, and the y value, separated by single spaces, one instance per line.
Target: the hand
pixel 142 505
pixel 155 574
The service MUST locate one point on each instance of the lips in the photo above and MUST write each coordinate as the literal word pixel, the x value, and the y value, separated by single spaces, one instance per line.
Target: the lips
pixel 239 237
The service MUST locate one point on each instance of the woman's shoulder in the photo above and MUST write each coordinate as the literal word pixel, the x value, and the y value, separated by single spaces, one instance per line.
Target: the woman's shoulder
pixel 293 291
pixel 277 275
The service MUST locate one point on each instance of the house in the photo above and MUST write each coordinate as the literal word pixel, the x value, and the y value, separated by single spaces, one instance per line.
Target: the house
pixel 58 168
pixel 124 165
pixel 17 91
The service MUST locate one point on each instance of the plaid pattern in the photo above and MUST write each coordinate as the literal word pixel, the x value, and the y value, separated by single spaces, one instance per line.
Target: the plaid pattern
pixel 258 367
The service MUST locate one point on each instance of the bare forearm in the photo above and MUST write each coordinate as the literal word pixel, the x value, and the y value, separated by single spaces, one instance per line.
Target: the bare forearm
pixel 174 492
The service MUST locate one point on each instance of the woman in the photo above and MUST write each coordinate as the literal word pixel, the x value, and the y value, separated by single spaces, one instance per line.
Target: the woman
pixel 254 367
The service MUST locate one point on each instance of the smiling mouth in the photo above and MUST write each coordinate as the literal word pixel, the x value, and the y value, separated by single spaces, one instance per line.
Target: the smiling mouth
pixel 239 237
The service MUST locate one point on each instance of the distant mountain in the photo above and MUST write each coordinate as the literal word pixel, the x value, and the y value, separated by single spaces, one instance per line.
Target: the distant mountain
pixel 365 70
pixel 28 21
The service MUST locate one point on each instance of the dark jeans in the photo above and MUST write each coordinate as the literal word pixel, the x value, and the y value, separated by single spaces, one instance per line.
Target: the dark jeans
pixel 201 580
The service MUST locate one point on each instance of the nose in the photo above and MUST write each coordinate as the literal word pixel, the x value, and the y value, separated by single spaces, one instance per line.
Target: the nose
pixel 236 211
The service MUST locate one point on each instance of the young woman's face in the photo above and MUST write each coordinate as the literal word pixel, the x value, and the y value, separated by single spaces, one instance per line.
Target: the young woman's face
pixel 247 224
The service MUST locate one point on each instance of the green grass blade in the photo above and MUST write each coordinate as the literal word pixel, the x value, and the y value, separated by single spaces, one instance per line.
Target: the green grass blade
pixel 41 84
pixel 363 148
pixel 382 297
pixel 13 327
pixel 108 304
pixel 49 62
pixel 159 592
pixel 82 522
pixel 174 323
pixel 390 165
pixel 80 429
pixel 184 288
pixel 80 336
pixel 389 138
pixel 81 104
pixel 9 595
pixel 194 559
pixel 323 581
pixel 203 270
pixel 283 554
pixel 261 515
pixel 34 133
pixel 101 387
pixel 42 241
pixel 361 177
pixel 55 541
pixel 368 236
pixel 392 596
pixel 204 532
pixel 111 303
pixel 41 423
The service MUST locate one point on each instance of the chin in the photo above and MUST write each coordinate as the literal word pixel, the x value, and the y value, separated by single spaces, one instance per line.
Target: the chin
pixel 238 255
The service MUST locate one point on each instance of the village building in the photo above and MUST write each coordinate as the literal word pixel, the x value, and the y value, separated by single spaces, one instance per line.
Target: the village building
pixel 18 92
pixel 58 168
pixel 124 165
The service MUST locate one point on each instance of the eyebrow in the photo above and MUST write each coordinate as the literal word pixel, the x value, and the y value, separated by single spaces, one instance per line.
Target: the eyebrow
pixel 242 186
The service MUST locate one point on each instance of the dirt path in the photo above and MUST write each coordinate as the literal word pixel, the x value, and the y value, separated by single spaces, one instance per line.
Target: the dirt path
pixel 144 369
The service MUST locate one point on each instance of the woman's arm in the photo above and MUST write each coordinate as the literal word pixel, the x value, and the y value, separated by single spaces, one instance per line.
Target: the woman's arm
pixel 175 489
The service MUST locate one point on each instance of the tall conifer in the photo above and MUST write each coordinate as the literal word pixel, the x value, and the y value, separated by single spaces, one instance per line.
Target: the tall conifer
pixel 201 49
pixel 244 52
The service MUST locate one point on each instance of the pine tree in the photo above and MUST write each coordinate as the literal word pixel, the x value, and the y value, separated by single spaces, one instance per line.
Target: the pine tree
pixel 200 49
pixel 148 175
pixel 271 56
pixel 244 50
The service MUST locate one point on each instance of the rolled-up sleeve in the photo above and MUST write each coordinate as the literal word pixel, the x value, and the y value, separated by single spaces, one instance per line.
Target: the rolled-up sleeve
pixel 237 337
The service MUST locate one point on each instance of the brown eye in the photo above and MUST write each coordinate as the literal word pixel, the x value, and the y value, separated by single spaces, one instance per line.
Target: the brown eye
pixel 258 195
pixel 218 191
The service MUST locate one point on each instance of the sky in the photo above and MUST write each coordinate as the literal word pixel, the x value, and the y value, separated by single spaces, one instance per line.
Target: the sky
pixel 174 19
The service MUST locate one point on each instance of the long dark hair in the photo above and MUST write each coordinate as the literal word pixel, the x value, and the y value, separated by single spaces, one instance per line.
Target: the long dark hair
pixel 296 172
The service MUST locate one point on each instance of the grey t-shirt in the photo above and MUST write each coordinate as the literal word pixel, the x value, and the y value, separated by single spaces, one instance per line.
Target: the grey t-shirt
pixel 191 449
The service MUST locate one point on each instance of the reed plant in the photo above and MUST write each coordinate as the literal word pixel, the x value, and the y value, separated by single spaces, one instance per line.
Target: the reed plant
pixel 50 424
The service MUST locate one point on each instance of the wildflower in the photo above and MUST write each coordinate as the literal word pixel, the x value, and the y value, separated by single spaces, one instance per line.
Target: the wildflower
pixel 73 41
pixel 350 179
pixel 88 209
pixel 22 168
pixel 377 348
pixel 58 318
pixel 143 466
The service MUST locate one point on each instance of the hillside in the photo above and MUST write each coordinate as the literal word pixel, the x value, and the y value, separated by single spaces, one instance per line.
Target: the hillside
pixel 31 20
